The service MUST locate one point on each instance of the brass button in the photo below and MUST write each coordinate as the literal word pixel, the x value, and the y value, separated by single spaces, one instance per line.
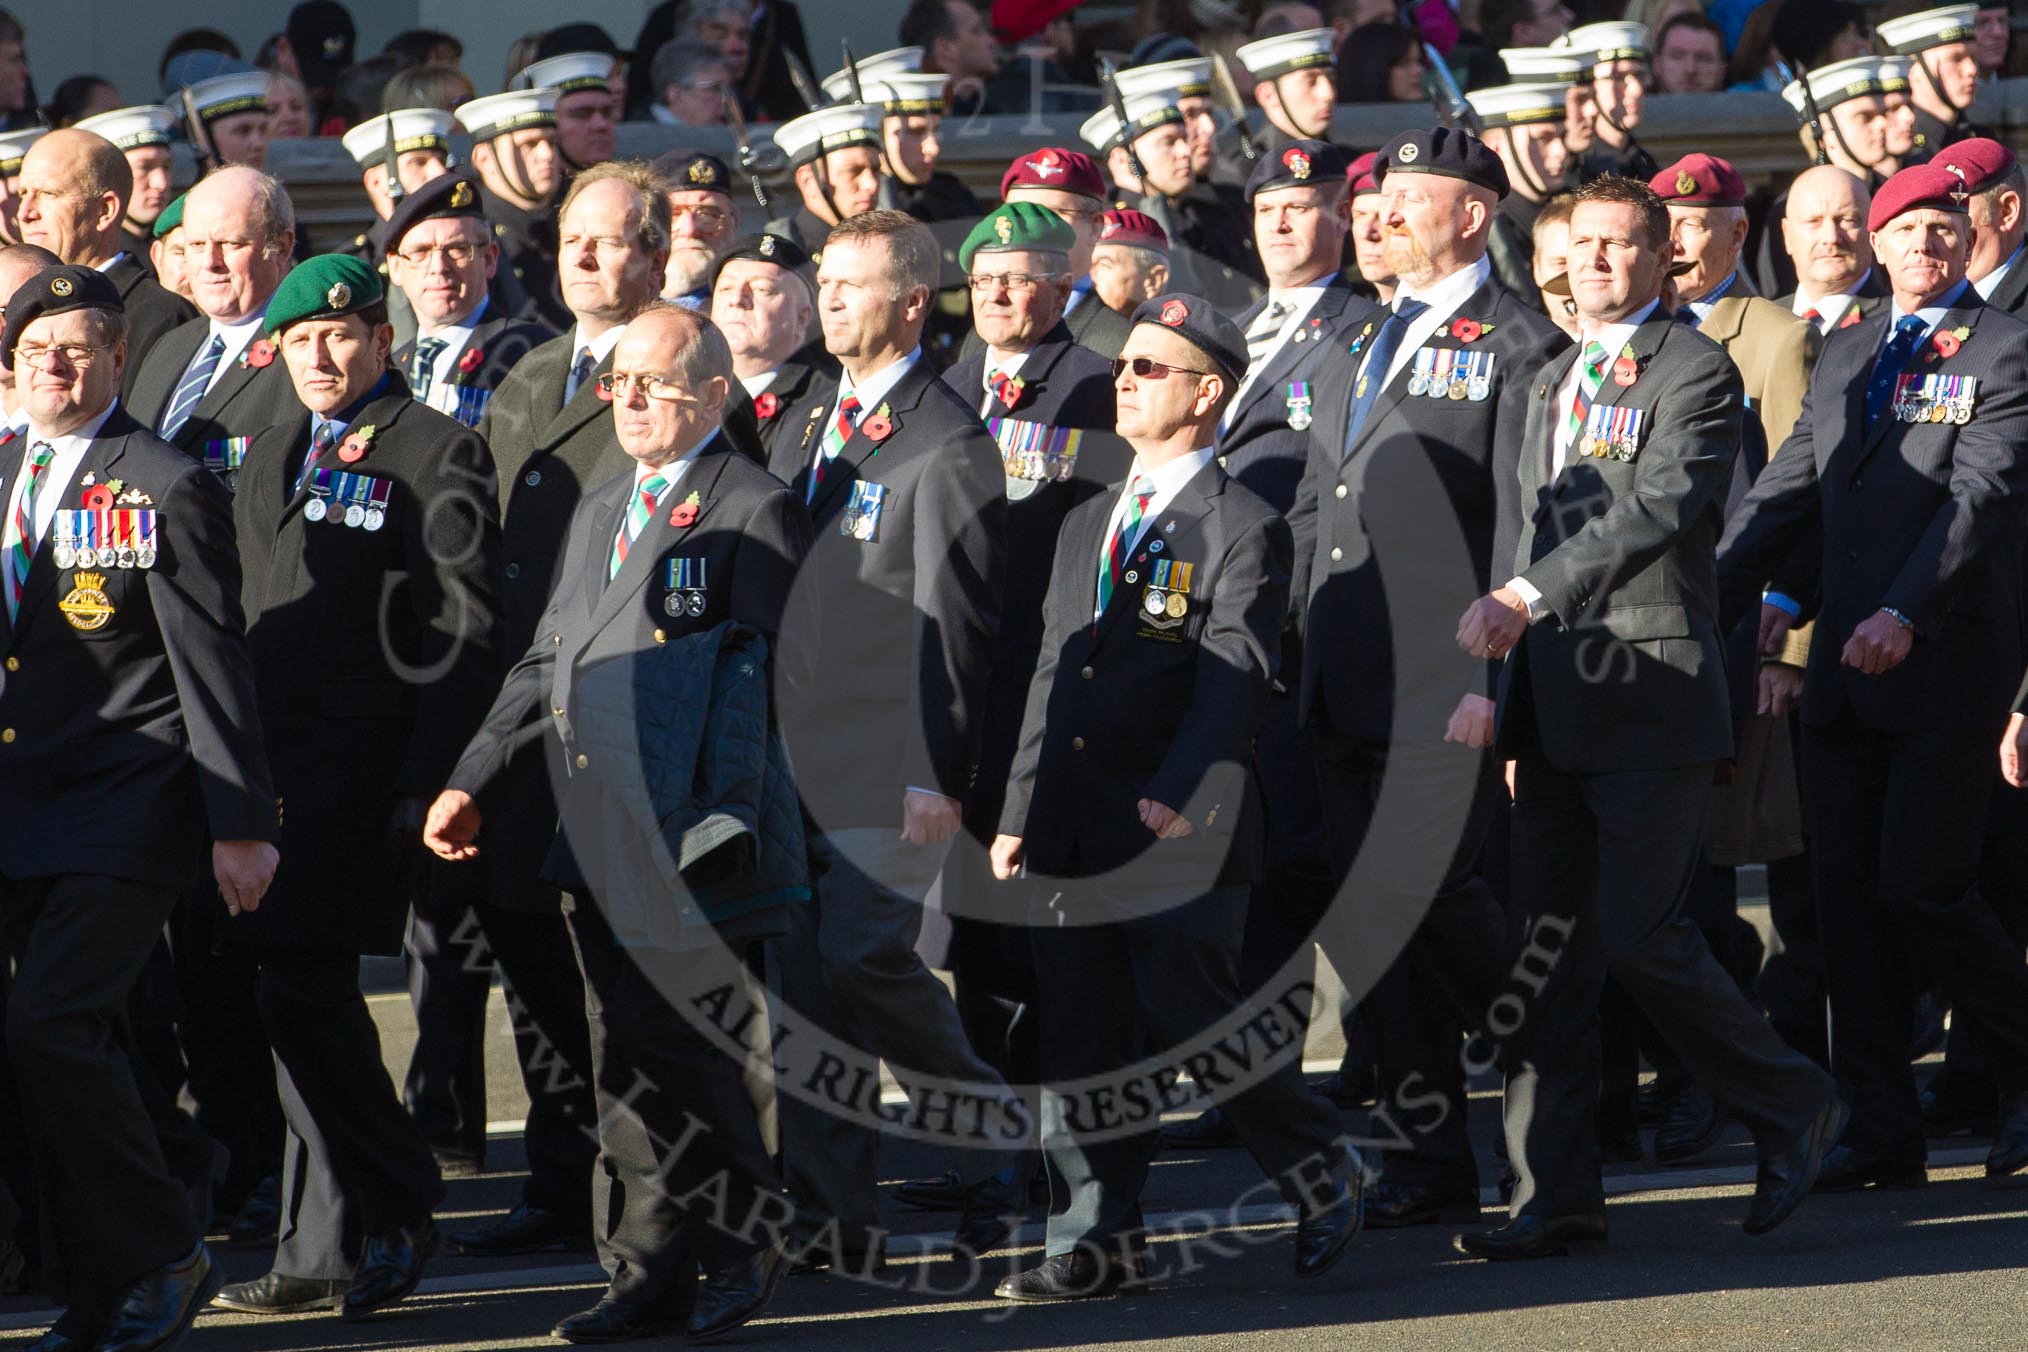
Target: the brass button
pixel 559 711
pixel 557 639
pixel 661 637
pixel 513 571
pixel 532 478
pixel 14 664
pixel 1086 673
pixel 1076 743
pixel 1342 490
pixel 7 735
pixel 583 761
pixel 1336 553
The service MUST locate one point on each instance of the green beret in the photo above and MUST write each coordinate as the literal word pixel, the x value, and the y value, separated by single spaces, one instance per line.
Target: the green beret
pixel 1016 226
pixel 325 287
pixel 171 217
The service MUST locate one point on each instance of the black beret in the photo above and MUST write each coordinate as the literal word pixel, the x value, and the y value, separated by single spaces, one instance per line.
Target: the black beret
pixel 1200 324
pixel 695 171
pixel 445 195
pixel 52 291
pixel 1298 164
pixel 780 250
pixel 1444 151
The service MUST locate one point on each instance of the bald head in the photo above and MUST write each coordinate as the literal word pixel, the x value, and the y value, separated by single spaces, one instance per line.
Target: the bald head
pixel 1824 230
pixel 74 190
pixel 238 232
pixel 19 262
pixel 683 354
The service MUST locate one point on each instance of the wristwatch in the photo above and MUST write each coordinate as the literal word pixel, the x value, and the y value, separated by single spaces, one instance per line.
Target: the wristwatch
pixel 1891 613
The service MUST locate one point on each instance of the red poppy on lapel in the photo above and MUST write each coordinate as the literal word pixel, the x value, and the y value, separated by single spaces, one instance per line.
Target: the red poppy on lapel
pixel 1624 371
pixel 685 512
pixel 471 361
pixel 766 405
pixel 1852 316
pixel 353 448
pixel 879 427
pixel 1947 343
pixel 260 352
pixel 98 498
pixel 1469 330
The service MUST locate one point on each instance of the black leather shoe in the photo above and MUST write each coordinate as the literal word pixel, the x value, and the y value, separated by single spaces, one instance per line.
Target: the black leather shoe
pixel 1536 1237
pixel 858 1263
pixel 992 1210
pixel 1848 1170
pixel 1394 1206
pixel 260 1215
pixel 158 1310
pixel 1786 1175
pixel 945 1192
pixel 614 1320
pixel 54 1341
pixel 458 1163
pixel 731 1296
pixel 1324 1233
pixel 277 1294
pixel 1693 1127
pixel 1652 1100
pixel 525 1229
pixel 1207 1131
pixel 390 1268
pixel 2009 1155
pixel 1079 1275
pixel 1960 1103
pixel 1621 1147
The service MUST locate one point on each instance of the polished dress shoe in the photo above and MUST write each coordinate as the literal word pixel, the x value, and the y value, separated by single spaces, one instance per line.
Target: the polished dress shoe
pixel 1207 1131
pixel 615 1320
pixel 992 1210
pixel 260 1214
pixel 155 1312
pixel 1395 1206
pixel 1960 1103
pixel 390 1268
pixel 279 1294
pixel 1786 1175
pixel 731 1296
pixel 1536 1237
pixel 1693 1127
pixel 1323 1233
pixel 525 1229
pixel 1848 1170
pixel 2009 1155
pixel 1652 1100
pixel 945 1192
pixel 1078 1275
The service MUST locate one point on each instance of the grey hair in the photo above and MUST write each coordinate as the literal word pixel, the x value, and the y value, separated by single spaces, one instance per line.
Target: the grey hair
pixel 676 62
pixel 693 22
pixel 274 215
pixel 1140 255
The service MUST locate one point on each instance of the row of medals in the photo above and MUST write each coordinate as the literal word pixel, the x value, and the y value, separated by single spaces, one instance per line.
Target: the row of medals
pixel 1458 387
pixel 372 518
pixel 1958 411
pixel 69 555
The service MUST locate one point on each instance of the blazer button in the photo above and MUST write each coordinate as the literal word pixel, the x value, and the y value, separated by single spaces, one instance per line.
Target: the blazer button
pixel 1086 673
pixel 1336 553
pixel 14 664
pixel 1342 490
pixel 661 637
pixel 1076 743
pixel 513 571
pixel 557 639
pixel 532 478
pixel 7 736
pixel 583 761
pixel 559 711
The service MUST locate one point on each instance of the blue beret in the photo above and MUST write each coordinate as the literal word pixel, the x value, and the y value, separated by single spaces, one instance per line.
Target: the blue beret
pixel 1298 164
pixel 1200 324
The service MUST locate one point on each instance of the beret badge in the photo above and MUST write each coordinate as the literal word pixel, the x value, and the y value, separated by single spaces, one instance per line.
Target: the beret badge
pixel 1004 228
pixel 1174 313
pixel 461 196
pixel 60 286
pixel 702 172
pixel 1407 154
pixel 1685 184
pixel 339 296
pixel 767 246
pixel 1298 163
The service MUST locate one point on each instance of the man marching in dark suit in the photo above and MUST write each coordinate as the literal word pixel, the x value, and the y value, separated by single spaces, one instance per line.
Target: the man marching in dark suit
pixel 1614 708
pixel 1131 800
pixel 130 736
pixel 764 299
pixel 1906 464
pixel 1411 491
pixel 371 541
pixel 692 538
pixel 907 494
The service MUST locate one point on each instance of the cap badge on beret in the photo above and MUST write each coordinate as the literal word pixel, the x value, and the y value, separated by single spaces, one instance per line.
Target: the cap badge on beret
pixel 1298 163
pixel 1004 228
pixel 1048 164
pixel 339 296
pixel 60 286
pixel 334 46
pixel 767 246
pixel 1174 313
pixel 1686 183
pixel 701 171
pixel 1407 153
pixel 461 196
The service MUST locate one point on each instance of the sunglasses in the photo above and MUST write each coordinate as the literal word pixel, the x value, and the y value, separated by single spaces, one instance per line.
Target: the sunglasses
pixel 1147 368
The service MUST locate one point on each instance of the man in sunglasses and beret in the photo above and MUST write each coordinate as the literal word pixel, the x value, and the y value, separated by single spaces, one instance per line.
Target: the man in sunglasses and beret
pixel 1131 796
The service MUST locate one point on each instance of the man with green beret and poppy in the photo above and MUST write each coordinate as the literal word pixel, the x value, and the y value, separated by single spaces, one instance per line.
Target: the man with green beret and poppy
pixel 369 538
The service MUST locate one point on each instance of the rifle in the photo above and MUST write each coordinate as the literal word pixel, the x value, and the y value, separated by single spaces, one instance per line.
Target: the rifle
pixel 737 122
pixel 852 71
pixel 1227 94
pixel 1444 94
pixel 395 192
pixel 1811 117
pixel 1119 105
pixel 200 135
pixel 813 97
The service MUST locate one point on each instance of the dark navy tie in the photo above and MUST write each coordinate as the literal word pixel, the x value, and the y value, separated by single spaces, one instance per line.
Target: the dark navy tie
pixel 1894 355
pixel 1378 359
pixel 190 390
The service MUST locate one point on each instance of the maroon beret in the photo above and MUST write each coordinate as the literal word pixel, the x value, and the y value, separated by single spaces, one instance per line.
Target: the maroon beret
pixel 1981 160
pixel 1133 227
pixel 1054 167
pixel 1922 185
pixel 1700 180
pixel 1013 20
pixel 1359 174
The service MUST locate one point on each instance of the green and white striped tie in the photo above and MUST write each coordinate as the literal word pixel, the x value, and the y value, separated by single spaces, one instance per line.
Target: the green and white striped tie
pixel 638 511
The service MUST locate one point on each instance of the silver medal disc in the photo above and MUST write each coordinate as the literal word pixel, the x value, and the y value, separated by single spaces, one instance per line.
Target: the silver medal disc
pixel 108 556
pixel 65 556
pixel 314 509
pixel 144 557
pixel 673 603
pixel 375 518
pixel 355 516
pixel 123 557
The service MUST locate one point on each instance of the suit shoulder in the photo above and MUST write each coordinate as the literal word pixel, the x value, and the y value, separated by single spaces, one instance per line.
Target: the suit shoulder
pixel 1245 508
pixel 531 366
pixel 1698 358
pixel 742 476
pixel 1762 311
pixel 1527 325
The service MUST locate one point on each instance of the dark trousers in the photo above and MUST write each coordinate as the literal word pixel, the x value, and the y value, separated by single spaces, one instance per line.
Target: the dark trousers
pixel 1899 820
pixel 353 1163
pixel 231 1066
pixel 2003 881
pixel 450 975
pixel 682 1171
pixel 1446 927
pixel 1602 865
pixel 1111 993
pixel 546 1008
pixel 111 1212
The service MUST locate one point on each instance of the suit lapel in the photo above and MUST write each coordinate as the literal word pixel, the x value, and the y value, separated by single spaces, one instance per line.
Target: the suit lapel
pixel 1963 315
pixel 1191 502
pixel 381 415
pixel 1480 302
pixel 1646 341
pixel 1536 459
pixel 1726 319
pixel 903 398
pixel 99 458
pixel 658 536
pixel 1328 308
pixel 582 408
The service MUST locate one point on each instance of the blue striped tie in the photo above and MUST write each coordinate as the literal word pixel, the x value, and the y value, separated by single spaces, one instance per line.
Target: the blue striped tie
pixel 192 387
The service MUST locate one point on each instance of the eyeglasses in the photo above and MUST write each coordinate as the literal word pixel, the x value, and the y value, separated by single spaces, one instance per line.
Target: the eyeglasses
pixel 707 218
pixel 1017 283
pixel 1147 368
pixel 621 384
pixel 457 255
pixel 78 355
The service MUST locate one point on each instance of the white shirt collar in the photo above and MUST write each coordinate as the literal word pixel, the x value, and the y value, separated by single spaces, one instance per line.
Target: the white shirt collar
pixel 876 387
pixel 1301 297
pixel 601 346
pixel 1614 337
pixel 675 468
pixel 238 335
pixel 1446 294
pixel 69 452
pixel 1701 307
pixel 1931 314
pixel 757 385
pixel 1990 283
pixel 1168 481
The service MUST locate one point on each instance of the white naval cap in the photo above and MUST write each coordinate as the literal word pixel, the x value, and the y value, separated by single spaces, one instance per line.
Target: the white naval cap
pixel 833 127
pixel 1189 78
pixel 895 61
pixel 1518 105
pixel 1619 40
pixel 1102 130
pixel 412 129
pixel 1932 28
pixel 14 148
pixel 147 124
pixel 1534 65
pixel 224 95
pixel 900 95
pixel 1271 57
pixel 1893 73
pixel 1841 81
pixel 499 114
pixel 568 74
